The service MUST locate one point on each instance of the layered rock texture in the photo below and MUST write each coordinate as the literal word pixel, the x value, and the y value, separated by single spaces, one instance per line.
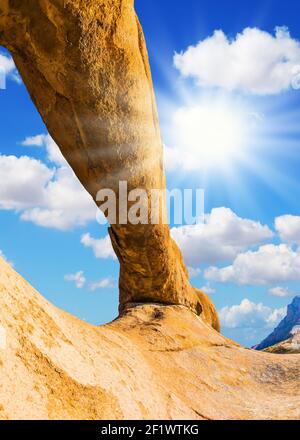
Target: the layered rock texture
pixel 154 362
pixel 86 67
pixel 286 336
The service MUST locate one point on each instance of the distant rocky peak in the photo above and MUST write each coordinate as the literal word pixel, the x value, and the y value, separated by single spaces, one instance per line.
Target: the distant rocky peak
pixel 294 307
pixel 289 326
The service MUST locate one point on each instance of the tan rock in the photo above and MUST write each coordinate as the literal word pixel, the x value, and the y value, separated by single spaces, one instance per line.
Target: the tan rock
pixel 85 65
pixel 155 362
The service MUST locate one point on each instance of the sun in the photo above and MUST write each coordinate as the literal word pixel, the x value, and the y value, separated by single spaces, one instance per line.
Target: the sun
pixel 209 134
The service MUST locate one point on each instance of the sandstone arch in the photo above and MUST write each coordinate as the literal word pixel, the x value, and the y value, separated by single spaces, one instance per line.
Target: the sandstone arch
pixel 85 65
pixel 154 362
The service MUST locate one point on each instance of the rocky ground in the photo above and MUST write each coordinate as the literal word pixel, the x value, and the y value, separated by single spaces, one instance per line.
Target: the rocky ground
pixel 156 362
pixel 291 345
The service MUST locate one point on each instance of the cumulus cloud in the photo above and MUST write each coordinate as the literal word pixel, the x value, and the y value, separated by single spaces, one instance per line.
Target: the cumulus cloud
pixel 208 289
pixel 222 237
pixel 66 203
pixel 80 281
pixel 49 197
pixel 254 61
pixel 270 264
pixel 248 314
pixel 25 182
pixel 33 141
pixel 45 140
pixel 8 70
pixel 78 278
pixel 175 159
pixel 288 228
pixel 194 272
pixel 281 292
pixel 105 283
pixel 101 247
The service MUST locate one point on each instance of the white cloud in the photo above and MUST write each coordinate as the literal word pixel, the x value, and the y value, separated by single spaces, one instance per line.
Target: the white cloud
pixel 101 247
pixel 45 140
pixel 174 159
pixel 194 272
pixel 8 69
pixel 78 278
pixel 67 204
pixel 179 158
pixel 270 264
pixel 80 281
pixel 281 292
pixel 105 283
pixel 288 228
pixel 248 314
pixel 34 141
pixel 254 61
pixel 221 238
pixel 23 182
pixel 52 198
pixel 208 289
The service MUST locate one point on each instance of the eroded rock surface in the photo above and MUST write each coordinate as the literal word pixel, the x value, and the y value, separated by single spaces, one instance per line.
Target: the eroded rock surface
pixel 86 68
pixel 155 362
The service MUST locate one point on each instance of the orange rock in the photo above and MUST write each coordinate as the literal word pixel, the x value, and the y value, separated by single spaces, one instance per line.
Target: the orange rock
pixel 86 67
pixel 155 362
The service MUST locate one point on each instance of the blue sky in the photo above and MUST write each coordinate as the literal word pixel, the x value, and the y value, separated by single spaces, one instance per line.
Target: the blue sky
pixel 246 255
